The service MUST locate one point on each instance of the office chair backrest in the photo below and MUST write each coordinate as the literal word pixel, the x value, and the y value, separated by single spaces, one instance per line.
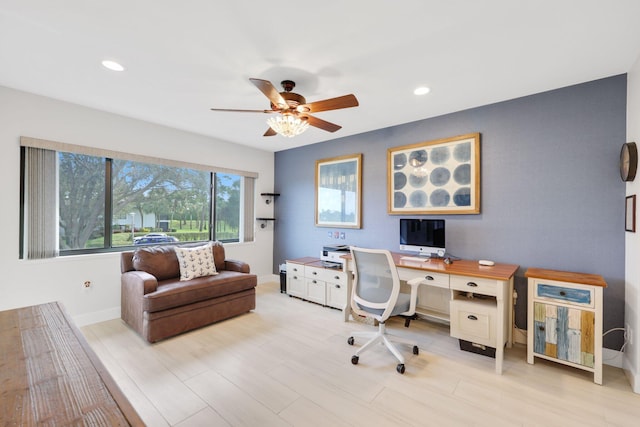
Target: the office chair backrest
pixel 376 285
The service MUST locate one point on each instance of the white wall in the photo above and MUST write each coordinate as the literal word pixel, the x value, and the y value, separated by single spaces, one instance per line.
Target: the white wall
pixel 632 241
pixel 32 282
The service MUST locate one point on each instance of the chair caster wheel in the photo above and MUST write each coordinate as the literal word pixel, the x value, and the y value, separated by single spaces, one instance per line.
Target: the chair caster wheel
pixel 350 341
pixel 355 359
pixel 400 368
pixel 416 350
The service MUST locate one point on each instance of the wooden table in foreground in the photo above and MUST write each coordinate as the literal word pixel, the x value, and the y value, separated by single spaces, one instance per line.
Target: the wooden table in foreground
pixel 50 376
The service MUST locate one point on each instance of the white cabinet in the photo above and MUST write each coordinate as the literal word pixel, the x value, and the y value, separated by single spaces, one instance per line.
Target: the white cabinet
pixel 308 279
pixel 564 319
pixel 296 284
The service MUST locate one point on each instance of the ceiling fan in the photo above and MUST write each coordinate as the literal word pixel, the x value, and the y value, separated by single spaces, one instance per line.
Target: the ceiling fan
pixel 293 111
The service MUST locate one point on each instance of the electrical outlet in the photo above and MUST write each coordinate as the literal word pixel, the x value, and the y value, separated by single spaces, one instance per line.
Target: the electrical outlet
pixel 628 334
pixel 86 284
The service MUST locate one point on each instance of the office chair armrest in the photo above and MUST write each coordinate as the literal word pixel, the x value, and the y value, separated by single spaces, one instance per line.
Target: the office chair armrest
pixel 414 292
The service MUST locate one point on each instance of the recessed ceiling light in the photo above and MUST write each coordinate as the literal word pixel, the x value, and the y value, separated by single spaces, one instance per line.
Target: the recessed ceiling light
pixel 112 65
pixel 422 90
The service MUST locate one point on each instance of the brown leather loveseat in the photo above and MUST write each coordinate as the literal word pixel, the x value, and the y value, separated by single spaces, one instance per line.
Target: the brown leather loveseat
pixel 157 304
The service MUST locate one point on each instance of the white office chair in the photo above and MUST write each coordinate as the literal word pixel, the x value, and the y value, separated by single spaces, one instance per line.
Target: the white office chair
pixel 376 294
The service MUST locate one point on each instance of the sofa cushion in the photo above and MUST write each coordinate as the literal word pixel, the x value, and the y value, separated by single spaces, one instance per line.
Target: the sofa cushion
pixel 175 293
pixel 195 262
pixel 159 261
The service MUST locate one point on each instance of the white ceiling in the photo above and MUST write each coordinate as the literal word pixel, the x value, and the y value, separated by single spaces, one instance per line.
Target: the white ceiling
pixel 184 57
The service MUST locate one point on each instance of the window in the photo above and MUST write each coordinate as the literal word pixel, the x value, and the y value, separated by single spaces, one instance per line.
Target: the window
pixel 107 203
pixel 81 195
pixel 154 204
pixel 228 207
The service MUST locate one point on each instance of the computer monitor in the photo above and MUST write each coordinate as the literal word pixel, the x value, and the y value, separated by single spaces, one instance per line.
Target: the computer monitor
pixel 423 236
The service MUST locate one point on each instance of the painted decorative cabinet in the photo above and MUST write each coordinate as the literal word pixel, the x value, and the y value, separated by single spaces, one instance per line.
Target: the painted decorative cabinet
pixel 565 319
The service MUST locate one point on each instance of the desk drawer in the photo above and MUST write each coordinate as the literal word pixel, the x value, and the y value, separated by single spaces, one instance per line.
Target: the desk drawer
pixel 439 280
pixel 474 320
pixel 476 285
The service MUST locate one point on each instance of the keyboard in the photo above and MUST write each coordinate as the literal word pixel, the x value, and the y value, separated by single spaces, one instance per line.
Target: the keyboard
pixel 414 258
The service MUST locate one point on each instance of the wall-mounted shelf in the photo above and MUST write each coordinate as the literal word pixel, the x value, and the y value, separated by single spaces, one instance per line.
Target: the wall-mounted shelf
pixel 270 197
pixel 264 221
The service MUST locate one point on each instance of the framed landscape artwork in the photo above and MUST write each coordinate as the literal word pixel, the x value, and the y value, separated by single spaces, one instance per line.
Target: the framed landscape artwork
pixel 338 191
pixel 435 177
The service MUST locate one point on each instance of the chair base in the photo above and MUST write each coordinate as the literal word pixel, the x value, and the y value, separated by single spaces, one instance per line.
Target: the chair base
pixel 381 336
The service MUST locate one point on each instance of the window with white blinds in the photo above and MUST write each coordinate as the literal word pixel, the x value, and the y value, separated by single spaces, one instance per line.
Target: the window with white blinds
pixel 79 200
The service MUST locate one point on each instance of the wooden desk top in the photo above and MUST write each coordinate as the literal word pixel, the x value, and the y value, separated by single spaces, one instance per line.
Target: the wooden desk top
pixel 566 276
pixel 50 376
pixel 460 267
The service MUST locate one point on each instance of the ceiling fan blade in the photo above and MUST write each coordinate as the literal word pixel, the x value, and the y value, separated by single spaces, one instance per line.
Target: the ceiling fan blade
pixel 244 111
pixel 271 92
pixel 345 101
pixel 322 124
pixel 270 132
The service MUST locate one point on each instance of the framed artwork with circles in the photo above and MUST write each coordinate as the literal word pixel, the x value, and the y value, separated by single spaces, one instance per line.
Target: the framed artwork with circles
pixel 435 177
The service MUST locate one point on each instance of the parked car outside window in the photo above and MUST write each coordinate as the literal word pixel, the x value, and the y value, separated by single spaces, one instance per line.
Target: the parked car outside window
pixel 154 238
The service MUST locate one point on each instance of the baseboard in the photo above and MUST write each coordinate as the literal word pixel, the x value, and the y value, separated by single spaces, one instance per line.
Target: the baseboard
pixel 97 316
pixel 632 376
pixel 268 278
pixel 613 358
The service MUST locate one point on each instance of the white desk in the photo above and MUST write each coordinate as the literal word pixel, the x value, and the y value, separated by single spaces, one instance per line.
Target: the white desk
pixel 486 319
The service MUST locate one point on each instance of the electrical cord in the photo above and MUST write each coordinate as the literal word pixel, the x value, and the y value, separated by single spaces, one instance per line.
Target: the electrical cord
pixel 626 339
pixel 451 256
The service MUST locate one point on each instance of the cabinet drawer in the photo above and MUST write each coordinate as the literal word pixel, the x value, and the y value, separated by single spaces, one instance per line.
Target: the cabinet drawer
pixel 316 291
pixel 296 285
pixel 295 269
pixel 474 284
pixel 574 295
pixel 334 276
pixel 474 321
pixel 439 280
pixel 336 295
pixel 313 272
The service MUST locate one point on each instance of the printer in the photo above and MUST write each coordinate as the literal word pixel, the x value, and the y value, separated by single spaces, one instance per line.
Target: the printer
pixel 331 254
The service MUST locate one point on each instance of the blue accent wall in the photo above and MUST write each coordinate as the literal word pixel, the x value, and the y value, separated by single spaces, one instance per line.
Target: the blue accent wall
pixel 551 193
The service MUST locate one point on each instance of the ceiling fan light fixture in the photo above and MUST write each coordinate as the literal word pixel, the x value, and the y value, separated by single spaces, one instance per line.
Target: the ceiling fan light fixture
pixel 288 125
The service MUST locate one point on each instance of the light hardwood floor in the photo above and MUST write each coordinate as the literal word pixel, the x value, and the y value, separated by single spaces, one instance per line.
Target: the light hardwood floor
pixel 288 364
